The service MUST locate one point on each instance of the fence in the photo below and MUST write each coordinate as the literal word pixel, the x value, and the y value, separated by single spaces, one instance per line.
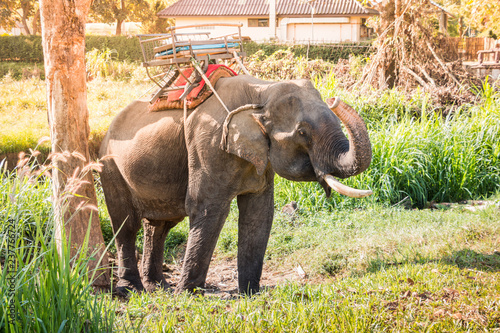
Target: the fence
pixel 467 48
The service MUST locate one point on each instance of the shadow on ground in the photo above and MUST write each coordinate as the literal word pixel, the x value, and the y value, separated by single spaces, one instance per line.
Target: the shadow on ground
pixel 463 259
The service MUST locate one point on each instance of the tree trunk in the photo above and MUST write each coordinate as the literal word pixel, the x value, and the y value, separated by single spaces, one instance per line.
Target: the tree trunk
pixel 120 18
pixel 36 22
pixel 387 73
pixel 118 27
pixel 24 18
pixel 74 197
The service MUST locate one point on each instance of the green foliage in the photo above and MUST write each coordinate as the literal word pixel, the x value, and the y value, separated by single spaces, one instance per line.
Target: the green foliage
pixel 25 198
pixel 418 155
pixel 21 48
pixel 22 70
pixel 29 48
pixel 327 52
pixel 104 64
pixel 44 291
pixel 283 65
pixel 126 48
pixel 154 24
pixel 109 11
pixel 13 12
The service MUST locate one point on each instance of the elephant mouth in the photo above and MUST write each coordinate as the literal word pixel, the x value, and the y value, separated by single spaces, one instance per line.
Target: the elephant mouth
pixel 328 182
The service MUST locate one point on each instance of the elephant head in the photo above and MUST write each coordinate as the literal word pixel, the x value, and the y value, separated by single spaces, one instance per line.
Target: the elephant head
pixel 300 136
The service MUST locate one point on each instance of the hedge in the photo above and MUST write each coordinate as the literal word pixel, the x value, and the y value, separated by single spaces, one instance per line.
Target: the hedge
pixel 29 48
pixel 21 48
pixel 327 52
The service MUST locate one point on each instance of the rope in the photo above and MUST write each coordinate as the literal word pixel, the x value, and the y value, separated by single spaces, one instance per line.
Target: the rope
pixel 207 82
pixel 225 126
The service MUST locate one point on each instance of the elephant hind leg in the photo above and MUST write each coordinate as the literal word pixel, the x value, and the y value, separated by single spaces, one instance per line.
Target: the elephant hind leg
pixel 155 233
pixel 126 223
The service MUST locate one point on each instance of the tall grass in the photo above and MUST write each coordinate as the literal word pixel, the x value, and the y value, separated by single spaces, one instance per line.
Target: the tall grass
pixel 104 64
pixel 418 154
pixel 23 110
pixel 43 291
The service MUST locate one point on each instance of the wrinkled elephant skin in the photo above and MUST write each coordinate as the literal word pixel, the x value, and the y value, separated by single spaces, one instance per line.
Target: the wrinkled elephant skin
pixel 158 170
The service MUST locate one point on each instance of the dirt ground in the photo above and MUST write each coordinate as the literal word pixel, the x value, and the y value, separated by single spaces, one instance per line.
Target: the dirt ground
pixel 222 278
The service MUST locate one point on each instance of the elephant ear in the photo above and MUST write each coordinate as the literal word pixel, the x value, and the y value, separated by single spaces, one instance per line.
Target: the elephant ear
pixel 243 136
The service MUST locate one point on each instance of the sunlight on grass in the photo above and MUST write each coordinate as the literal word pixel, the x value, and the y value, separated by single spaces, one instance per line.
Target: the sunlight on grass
pixel 435 296
pixel 23 109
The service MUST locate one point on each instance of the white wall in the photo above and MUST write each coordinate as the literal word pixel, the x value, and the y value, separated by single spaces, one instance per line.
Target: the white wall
pixel 255 33
pixel 326 29
pixel 128 28
pixel 334 29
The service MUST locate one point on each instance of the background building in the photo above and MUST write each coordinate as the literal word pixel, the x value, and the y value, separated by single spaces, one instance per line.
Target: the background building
pixel 297 21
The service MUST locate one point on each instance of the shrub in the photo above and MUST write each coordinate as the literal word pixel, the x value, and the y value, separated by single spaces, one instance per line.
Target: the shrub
pixel 29 48
pixel 326 52
pixel 283 65
pixel 21 48
pixel 22 70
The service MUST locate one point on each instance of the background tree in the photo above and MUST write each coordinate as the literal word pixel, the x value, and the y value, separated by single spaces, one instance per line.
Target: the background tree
pixel 119 11
pixel 13 11
pixel 154 24
pixel 480 15
pixel 74 198
pixel 411 52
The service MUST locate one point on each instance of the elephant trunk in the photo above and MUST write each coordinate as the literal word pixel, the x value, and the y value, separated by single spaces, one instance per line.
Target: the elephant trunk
pixel 353 159
pixel 359 156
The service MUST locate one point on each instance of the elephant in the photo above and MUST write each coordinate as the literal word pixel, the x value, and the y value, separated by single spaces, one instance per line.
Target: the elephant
pixel 159 167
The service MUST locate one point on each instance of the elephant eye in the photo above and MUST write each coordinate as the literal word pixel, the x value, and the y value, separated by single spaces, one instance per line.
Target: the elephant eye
pixel 301 132
pixel 263 118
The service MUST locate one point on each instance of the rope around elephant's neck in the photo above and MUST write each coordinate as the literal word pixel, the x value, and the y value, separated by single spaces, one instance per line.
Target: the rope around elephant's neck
pixel 225 126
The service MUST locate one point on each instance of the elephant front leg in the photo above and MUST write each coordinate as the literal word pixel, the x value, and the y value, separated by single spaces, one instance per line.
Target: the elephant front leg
pixel 254 227
pixel 205 223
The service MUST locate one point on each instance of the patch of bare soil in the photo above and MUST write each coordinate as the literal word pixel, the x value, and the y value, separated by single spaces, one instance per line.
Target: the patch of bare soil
pixel 222 278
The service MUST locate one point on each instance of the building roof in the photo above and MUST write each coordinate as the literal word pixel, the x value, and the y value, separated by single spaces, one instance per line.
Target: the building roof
pixel 261 8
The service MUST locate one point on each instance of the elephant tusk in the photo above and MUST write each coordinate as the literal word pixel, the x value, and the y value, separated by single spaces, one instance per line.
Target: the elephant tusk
pixel 344 189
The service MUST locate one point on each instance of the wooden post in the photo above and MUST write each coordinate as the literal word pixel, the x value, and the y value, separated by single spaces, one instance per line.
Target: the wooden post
pixel 74 197
pixel 443 23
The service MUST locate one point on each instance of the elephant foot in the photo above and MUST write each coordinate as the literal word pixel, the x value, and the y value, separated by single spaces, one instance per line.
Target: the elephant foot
pixel 193 291
pixel 124 287
pixel 192 288
pixel 154 284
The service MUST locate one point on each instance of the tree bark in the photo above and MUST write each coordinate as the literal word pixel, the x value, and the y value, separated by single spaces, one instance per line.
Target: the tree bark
pixel 36 22
pixel 25 7
pixel 118 27
pixel 74 197
pixel 122 14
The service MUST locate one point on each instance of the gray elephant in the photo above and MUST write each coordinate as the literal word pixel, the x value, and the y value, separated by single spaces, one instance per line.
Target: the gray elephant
pixel 160 169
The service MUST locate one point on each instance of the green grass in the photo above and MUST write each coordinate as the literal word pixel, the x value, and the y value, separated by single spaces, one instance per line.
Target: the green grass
pixel 372 265
pixel 23 110
pixel 21 70
pixel 432 297
pixel 42 291
pixel 372 269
